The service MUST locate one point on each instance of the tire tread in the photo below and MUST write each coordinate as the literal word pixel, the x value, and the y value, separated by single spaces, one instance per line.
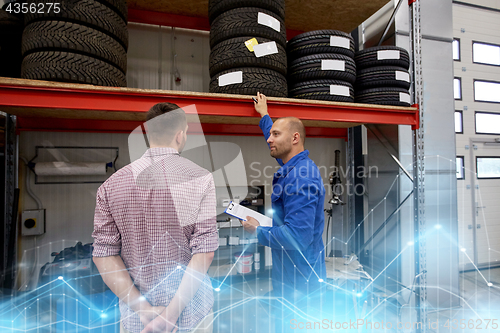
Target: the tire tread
pixel 234 53
pixel 309 68
pixel 266 81
pixel 368 58
pixel 71 67
pixel 85 12
pixel 320 90
pixel 241 22
pixel 72 37
pixel 318 41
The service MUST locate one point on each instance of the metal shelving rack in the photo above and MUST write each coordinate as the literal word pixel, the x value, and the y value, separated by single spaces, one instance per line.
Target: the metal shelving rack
pixel 49 106
pixel 418 166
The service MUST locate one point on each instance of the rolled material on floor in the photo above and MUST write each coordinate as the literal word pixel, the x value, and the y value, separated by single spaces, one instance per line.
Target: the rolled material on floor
pixel 70 169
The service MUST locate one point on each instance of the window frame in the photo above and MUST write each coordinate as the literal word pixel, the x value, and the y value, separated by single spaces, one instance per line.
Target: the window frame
pixel 460 86
pixel 477 173
pixel 462 157
pixel 475 122
pixel 483 63
pixel 459 49
pixel 461 121
pixel 474 90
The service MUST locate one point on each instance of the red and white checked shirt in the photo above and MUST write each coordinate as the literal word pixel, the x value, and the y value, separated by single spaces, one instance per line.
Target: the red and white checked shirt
pixel 157 212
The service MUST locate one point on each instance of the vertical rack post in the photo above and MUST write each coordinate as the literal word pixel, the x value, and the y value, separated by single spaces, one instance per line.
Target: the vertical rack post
pixel 9 247
pixel 418 168
pixel 353 247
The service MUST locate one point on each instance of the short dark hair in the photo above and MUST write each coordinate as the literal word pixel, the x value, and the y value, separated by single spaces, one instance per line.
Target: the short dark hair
pixel 164 120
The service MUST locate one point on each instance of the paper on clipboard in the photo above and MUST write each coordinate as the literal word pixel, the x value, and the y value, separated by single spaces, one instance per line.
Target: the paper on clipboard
pixel 242 212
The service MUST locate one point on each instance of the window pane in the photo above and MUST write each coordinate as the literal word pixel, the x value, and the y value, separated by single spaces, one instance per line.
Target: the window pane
pixel 487 123
pixel 488 167
pixel 458 122
pixel 456 49
pixel 487 91
pixel 460 167
pixel 486 54
pixel 457 88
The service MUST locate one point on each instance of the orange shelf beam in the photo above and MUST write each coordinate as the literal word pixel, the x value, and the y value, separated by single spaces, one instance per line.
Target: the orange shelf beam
pixel 46 100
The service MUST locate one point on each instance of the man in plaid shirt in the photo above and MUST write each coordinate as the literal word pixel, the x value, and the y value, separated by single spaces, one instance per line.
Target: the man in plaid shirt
pixel 155 233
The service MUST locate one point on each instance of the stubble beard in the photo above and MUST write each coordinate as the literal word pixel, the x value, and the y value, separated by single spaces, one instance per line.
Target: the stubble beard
pixel 279 153
pixel 274 153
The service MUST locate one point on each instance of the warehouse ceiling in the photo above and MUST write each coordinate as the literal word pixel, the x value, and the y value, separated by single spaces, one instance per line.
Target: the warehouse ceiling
pixel 303 15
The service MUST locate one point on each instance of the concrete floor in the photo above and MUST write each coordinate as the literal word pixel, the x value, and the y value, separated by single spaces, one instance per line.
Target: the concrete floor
pixel 243 308
pixel 480 305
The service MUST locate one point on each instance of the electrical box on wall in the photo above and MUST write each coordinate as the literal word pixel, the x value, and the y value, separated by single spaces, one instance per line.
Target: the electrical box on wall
pixel 33 222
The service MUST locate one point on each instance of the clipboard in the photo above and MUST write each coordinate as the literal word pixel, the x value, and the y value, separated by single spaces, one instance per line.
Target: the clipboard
pixel 241 212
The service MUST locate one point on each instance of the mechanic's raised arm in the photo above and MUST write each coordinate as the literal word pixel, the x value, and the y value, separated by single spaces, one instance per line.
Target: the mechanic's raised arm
pixel 265 123
pixel 261 104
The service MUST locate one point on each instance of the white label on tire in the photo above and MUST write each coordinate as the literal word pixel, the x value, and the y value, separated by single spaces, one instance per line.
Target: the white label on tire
pixel 340 42
pixel 339 90
pixel 269 21
pixel 404 97
pixel 264 49
pixel 231 78
pixel 333 65
pixel 402 76
pixel 388 54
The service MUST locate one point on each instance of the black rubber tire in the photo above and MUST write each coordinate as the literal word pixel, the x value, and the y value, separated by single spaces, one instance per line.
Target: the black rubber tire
pixel 266 81
pixel 11 29
pixel 119 6
pixel 368 58
pixel 241 22
pixel 72 37
pixel 217 7
pixel 318 41
pixel 233 53
pixel 382 76
pixel 19 16
pixel 71 67
pixel 10 21
pixel 320 90
pixel 382 96
pixel 85 12
pixel 309 68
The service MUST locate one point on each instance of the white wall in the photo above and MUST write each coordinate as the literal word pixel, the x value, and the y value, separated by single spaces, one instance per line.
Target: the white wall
pixel 157 53
pixel 480 25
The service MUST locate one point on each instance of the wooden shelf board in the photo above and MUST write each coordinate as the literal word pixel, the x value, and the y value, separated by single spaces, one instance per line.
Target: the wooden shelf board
pixel 344 15
pixel 43 102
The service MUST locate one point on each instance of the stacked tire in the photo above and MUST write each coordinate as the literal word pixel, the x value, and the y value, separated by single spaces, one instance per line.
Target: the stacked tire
pixel 79 41
pixel 321 66
pixel 383 76
pixel 11 29
pixel 248 41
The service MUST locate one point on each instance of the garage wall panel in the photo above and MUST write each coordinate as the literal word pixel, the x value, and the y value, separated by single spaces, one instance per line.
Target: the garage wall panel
pixel 159 56
pixel 143 56
pixel 440 179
